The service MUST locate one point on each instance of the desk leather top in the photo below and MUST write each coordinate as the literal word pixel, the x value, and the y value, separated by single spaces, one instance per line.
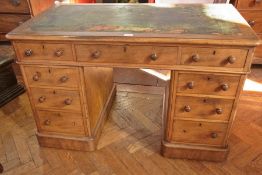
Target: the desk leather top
pixel 184 23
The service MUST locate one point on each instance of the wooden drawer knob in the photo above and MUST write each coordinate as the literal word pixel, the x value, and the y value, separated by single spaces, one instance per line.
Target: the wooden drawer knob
pixel 251 22
pixel 36 76
pixel 231 60
pixel 28 52
pixel 190 85
pixel 187 108
pixel 15 2
pixel 257 1
pixel 59 53
pixel 153 56
pixel 64 79
pixel 96 54
pixel 219 111
pixel 195 57
pixel 213 135
pixel 68 101
pixel 47 122
pixel 224 87
pixel 42 99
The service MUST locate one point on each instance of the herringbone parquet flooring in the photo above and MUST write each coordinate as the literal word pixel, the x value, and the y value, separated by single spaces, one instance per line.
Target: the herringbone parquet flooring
pixel 130 142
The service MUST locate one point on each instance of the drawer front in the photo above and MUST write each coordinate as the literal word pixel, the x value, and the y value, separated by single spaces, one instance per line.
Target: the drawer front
pixel 58 99
pixel 258 51
pixel 49 76
pixel 199 132
pixel 61 122
pixel 45 51
pixel 127 54
pixel 209 84
pixel 254 18
pixel 249 4
pixel 203 108
pixel 14 6
pixel 216 57
pixel 8 21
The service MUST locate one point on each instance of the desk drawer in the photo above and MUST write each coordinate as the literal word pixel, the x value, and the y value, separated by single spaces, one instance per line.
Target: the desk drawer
pixel 10 21
pixel 14 6
pixel 56 98
pixel 209 84
pixel 45 51
pixel 61 122
pixel 203 108
pixel 199 132
pixel 249 4
pixel 121 54
pixel 216 57
pixel 254 18
pixel 50 76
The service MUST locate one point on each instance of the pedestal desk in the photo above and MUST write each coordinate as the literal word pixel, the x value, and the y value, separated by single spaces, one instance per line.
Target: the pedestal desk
pixel 67 55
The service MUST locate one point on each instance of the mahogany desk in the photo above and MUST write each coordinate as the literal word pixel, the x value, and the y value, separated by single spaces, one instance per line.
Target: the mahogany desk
pixel 67 55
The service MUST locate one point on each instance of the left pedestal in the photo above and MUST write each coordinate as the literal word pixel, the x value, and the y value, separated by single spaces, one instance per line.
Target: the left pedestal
pixel 70 104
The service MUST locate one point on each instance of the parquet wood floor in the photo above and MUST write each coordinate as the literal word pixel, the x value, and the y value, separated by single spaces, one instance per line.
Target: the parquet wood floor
pixel 130 141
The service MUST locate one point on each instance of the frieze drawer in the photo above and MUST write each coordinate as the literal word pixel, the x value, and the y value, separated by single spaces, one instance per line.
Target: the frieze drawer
pixel 214 57
pixel 45 51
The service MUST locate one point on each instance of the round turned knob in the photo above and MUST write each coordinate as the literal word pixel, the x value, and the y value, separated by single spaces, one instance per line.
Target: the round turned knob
pixel 96 54
pixel 68 101
pixel 195 58
pixel 224 87
pixel 231 60
pixel 41 99
pixel 36 77
pixel 213 135
pixel 219 111
pixel 28 52
pixel 251 22
pixel 15 2
pixel 257 1
pixel 59 53
pixel 64 79
pixel 47 122
pixel 153 56
pixel 190 85
pixel 187 108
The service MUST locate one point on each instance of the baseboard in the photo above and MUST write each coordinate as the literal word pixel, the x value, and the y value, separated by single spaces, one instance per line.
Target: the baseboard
pixel 206 153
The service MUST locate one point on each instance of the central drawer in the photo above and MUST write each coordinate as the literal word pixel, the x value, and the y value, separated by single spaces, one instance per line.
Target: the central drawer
pixel 203 108
pixel 61 122
pixel 52 76
pixel 121 54
pixel 56 98
pixel 208 84
pixel 199 132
